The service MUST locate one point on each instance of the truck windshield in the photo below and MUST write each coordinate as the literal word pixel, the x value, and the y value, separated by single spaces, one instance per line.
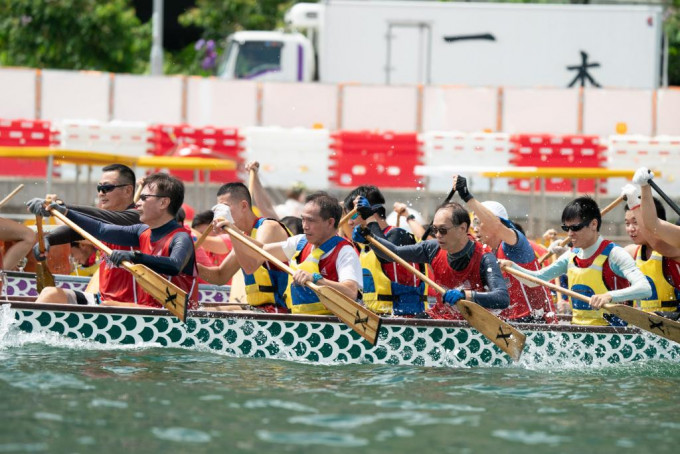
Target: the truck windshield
pixel 257 57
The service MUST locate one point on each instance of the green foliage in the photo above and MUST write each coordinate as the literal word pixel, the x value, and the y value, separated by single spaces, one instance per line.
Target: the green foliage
pixel 73 34
pixel 672 29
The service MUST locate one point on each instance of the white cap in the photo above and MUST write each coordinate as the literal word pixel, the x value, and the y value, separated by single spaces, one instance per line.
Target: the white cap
pixel 497 209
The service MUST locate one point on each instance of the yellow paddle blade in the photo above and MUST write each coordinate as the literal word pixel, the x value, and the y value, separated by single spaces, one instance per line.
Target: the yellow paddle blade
pixel 165 292
pixel 356 316
pixel 43 277
pixel 504 335
pixel 661 326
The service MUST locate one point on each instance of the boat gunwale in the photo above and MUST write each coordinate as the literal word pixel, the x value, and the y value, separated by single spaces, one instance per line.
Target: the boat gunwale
pixel 26 303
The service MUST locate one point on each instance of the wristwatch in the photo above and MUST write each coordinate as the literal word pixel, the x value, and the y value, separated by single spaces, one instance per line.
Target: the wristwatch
pixel 410 217
pixel 316 277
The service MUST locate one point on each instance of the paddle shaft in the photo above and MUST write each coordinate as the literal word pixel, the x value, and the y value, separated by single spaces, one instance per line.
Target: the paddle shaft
pixel 138 193
pixel 406 265
pixel 41 239
pixel 203 236
pixel 243 239
pixel 57 214
pixel 547 284
pixel 347 217
pixel 565 241
pixel 663 195
pixel 10 195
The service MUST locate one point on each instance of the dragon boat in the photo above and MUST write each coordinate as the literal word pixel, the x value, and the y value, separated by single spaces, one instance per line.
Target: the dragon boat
pixel 326 340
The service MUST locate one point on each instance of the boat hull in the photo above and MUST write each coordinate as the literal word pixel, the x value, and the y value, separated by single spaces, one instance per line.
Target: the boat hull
pixel 321 339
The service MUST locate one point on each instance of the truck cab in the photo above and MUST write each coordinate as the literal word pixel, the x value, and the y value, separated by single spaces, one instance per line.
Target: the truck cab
pixel 267 56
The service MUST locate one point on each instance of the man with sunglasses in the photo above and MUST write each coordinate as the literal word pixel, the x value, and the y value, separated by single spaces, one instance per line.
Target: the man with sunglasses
pixel 458 262
pixel 595 267
pixel 115 192
pixel 508 242
pixel 159 241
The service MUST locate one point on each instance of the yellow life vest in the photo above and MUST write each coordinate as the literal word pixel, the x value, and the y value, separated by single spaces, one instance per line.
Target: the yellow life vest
pixel 663 294
pixel 267 284
pixel 301 299
pixel 383 296
pixel 588 281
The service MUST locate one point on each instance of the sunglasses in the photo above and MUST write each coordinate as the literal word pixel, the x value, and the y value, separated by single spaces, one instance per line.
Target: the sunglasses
pixel 577 227
pixel 442 230
pixel 106 188
pixel 143 197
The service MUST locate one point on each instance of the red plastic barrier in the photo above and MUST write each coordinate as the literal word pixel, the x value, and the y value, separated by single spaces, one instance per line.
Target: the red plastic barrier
pixel 385 160
pixel 25 133
pixel 166 140
pixel 544 150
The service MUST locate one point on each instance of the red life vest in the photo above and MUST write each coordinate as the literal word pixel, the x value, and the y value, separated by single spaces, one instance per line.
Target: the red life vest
pixel 161 248
pixel 468 279
pixel 116 284
pixel 525 300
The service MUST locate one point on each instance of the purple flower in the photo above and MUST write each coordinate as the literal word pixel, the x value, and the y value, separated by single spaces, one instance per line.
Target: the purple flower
pixel 208 63
pixel 199 44
pixel 25 20
pixel 210 45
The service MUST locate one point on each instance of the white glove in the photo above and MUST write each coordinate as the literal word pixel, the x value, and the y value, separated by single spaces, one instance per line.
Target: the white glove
pixel 557 249
pixel 223 211
pixel 642 176
pixel 631 194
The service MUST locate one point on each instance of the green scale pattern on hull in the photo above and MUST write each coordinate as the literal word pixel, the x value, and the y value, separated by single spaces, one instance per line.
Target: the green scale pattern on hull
pixel 332 342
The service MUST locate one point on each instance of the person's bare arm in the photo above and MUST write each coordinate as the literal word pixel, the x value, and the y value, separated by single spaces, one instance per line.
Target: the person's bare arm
pixel 260 196
pixel 658 228
pixel 269 232
pixel 417 229
pixel 221 274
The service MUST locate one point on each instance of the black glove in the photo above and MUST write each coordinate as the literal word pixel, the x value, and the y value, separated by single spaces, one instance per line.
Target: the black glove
pixel 37 207
pixel 117 257
pixel 462 189
pixel 359 235
pixel 58 207
pixel 36 250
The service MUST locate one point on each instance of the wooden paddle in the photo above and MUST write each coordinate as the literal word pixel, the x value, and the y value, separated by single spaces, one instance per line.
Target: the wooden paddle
pixel 168 294
pixel 644 320
pixel 504 335
pixel 347 217
pixel 356 316
pixel 10 195
pixel 43 277
pixel 203 236
pixel 565 241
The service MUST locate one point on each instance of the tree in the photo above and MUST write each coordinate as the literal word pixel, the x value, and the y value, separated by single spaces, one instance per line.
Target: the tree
pixel 73 34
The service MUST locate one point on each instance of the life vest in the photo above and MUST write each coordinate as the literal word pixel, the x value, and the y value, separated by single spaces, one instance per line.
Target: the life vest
pixel 524 300
pixel 591 277
pixel 302 299
pixel 664 296
pixel 267 285
pixel 161 248
pixel 116 284
pixel 468 278
pixel 383 294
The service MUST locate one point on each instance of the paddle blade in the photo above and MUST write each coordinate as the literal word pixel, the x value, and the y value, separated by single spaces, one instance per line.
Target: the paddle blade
pixel 359 318
pixel 653 323
pixel 504 335
pixel 165 292
pixel 43 277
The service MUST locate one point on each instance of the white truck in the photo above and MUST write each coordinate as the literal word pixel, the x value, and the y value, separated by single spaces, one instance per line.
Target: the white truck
pixel 474 44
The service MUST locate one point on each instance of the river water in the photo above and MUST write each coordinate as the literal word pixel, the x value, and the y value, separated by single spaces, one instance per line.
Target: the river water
pixel 61 395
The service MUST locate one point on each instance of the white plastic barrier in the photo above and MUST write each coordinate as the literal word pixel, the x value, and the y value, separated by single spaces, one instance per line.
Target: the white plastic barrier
pixel 604 109
pixel 668 112
pixel 540 110
pixel 633 151
pixel 292 105
pixel 17 93
pixel 215 102
pixel 447 153
pixel 75 94
pixel 116 137
pixel 464 109
pixel 147 98
pixel 380 107
pixel 289 155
